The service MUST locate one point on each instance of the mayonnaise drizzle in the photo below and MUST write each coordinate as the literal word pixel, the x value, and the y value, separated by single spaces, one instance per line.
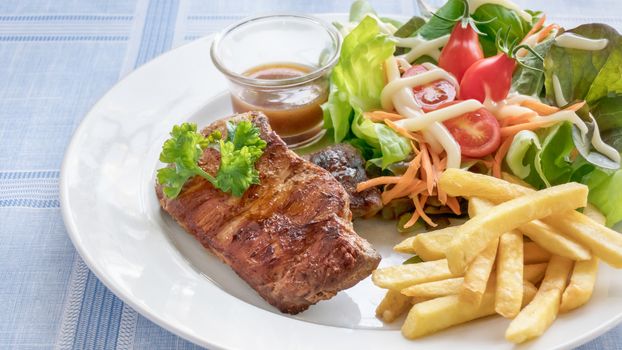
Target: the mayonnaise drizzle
pixel 557 90
pixel 506 108
pixel 602 147
pixel 421 47
pixel 475 4
pixel 574 41
pixel 569 116
pixel 416 80
pixel 386 28
pixel 436 134
pixel 440 115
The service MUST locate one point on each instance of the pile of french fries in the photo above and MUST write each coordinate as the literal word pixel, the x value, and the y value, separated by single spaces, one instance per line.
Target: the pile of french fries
pixel 526 255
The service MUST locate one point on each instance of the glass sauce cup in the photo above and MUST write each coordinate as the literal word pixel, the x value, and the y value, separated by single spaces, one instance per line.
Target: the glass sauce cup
pixel 280 64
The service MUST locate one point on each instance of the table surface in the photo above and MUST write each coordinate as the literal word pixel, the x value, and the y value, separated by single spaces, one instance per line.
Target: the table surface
pixel 57 57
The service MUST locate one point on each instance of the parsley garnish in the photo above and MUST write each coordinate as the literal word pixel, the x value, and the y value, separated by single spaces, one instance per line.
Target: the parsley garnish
pixel 238 154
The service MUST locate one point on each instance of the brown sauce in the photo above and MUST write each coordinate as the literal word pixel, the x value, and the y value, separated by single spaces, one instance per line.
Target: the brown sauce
pixel 292 111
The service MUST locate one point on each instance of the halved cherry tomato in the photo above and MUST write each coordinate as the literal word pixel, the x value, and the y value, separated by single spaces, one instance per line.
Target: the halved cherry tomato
pixel 478 133
pixel 434 94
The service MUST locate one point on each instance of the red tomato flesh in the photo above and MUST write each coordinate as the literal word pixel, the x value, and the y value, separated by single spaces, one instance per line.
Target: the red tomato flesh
pixel 431 96
pixel 478 133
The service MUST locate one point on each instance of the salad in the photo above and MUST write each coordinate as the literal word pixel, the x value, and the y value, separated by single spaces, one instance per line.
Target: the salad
pixel 484 86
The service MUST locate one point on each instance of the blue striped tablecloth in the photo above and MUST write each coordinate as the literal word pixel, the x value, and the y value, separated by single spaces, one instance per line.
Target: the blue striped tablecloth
pixel 57 57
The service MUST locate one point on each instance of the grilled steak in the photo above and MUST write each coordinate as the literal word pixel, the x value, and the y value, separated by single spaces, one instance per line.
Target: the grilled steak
pixel 347 165
pixel 290 237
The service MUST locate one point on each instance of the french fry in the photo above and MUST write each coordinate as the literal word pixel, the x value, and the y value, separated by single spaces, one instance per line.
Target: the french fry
pixel 581 286
pixel 554 242
pixel 435 289
pixel 540 233
pixel 477 275
pixel 437 314
pixel 474 235
pixel 534 272
pixel 534 254
pixel 457 182
pixel 602 241
pixel 403 276
pixel 406 246
pixel 431 245
pixel 392 306
pixel 509 292
pixel 540 313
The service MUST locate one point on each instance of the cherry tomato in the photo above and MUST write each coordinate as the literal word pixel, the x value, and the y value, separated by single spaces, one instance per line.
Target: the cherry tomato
pixel 462 50
pixel 478 133
pixel 490 76
pixel 431 95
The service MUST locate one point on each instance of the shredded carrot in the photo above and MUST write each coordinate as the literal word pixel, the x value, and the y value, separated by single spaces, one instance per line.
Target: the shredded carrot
pixel 426 168
pixel 382 180
pixel 380 116
pixel 453 204
pixel 422 214
pixel 575 107
pixel 406 180
pixel 535 27
pixel 501 152
pixel 416 215
pixel 415 187
pixel 539 107
pixel 546 31
pixel 415 149
pixel 439 166
pixel 518 119
pixel 399 130
pixel 533 125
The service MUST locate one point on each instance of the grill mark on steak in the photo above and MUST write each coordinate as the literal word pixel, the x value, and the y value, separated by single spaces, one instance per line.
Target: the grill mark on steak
pixel 347 165
pixel 290 237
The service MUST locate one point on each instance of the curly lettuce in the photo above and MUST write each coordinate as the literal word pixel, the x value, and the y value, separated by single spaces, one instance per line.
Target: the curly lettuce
pixel 356 83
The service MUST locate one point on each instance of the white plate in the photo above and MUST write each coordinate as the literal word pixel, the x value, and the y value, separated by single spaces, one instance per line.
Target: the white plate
pixel 137 251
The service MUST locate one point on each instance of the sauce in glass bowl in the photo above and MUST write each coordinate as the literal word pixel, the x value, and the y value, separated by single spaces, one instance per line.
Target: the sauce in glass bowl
pixel 293 111
pixel 280 65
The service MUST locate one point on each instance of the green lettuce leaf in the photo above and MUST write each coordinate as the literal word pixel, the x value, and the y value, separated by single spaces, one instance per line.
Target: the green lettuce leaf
pixel 556 152
pixel 608 113
pixel 436 27
pixel 608 81
pixel 356 83
pixel 605 191
pixel 523 158
pixel 530 81
pixel 358 78
pixel 578 70
pixel 393 147
pixel 507 21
